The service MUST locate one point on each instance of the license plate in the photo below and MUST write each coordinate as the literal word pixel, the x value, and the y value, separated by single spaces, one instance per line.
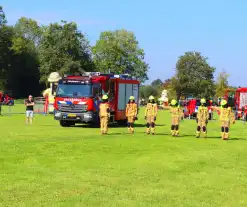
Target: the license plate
pixel 71 115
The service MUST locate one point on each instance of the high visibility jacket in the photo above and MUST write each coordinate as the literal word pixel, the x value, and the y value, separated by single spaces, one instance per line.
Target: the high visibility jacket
pixel 104 109
pixel 151 110
pixel 226 114
pixel 131 109
pixel 202 113
pixel 175 111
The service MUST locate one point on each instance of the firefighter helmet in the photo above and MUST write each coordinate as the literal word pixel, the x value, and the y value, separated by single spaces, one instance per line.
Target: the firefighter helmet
pixel 203 101
pixel 151 98
pixel 105 97
pixel 223 103
pixel 132 98
pixel 173 102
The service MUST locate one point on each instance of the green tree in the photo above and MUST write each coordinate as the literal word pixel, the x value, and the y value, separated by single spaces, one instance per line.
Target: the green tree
pixel 23 75
pixel 167 82
pixel 194 76
pixel 221 84
pixel 5 42
pixel 171 86
pixel 63 49
pixel 27 36
pixel 3 20
pixel 148 90
pixel 119 52
pixel 157 82
pixel 6 34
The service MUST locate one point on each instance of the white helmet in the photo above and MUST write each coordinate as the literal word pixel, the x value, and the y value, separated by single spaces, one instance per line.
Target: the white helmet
pixel 54 77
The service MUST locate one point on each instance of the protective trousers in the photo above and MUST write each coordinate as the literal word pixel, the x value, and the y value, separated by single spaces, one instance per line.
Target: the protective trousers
pixel 104 124
pixel 131 120
pixel 225 128
pixel 150 124
pixel 201 127
pixel 175 125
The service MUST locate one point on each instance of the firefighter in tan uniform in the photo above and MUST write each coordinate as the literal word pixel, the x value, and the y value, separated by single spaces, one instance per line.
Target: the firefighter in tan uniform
pixel 150 115
pixel 226 118
pixel 176 116
pixel 131 113
pixel 104 114
pixel 202 119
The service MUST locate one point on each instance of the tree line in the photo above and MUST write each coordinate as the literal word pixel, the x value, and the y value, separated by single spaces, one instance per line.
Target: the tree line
pixel 29 52
pixel 194 77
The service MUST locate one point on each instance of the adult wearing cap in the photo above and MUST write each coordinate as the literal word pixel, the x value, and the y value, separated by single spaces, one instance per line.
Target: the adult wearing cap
pixel 175 113
pixel 104 114
pixel 150 115
pixel 202 119
pixel 29 109
pixel 131 113
pixel 226 118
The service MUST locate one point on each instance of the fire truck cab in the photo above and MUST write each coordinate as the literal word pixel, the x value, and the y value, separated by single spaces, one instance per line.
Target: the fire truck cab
pixel 78 97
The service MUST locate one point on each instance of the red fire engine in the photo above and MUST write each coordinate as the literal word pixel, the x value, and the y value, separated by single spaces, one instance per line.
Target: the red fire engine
pixel 238 99
pixel 78 97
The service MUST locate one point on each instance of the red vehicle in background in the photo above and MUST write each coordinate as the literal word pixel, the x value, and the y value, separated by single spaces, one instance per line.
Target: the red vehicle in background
pixel 6 98
pixel 237 98
pixel 78 97
pixel 192 105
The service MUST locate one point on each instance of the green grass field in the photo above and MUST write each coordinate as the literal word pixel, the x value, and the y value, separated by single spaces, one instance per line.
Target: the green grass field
pixel 46 165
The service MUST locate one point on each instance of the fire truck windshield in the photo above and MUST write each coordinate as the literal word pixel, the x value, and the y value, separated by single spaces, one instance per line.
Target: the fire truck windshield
pixel 74 90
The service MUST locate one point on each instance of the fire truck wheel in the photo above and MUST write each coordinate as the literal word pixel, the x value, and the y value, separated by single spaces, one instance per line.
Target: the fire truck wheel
pixel 95 123
pixel 122 123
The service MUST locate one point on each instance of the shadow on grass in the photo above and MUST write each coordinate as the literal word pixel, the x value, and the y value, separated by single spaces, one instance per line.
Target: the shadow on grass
pixel 194 137
pixel 111 134
pixel 113 126
pixel 234 139
pixel 218 137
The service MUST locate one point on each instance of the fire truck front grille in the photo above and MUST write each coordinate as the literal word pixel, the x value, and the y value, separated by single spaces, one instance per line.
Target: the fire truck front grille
pixel 77 108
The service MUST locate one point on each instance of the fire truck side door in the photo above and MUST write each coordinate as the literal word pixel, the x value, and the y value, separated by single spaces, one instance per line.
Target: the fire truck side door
pixel 111 90
pixel 96 91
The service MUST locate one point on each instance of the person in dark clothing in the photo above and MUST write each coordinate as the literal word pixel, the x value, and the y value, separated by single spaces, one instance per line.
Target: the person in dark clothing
pixel 29 109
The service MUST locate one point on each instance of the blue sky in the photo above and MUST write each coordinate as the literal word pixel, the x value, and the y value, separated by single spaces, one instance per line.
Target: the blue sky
pixel 165 29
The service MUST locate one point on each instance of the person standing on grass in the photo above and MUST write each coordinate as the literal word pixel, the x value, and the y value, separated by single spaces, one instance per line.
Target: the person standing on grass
pixel 202 119
pixel 175 111
pixel 131 113
pixel 104 114
pixel 226 118
pixel 150 115
pixel 29 109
